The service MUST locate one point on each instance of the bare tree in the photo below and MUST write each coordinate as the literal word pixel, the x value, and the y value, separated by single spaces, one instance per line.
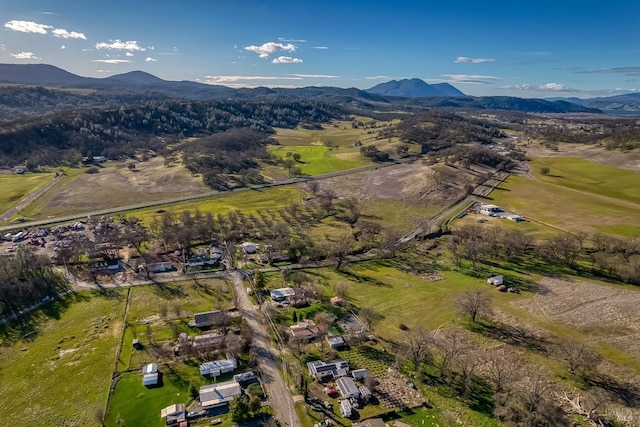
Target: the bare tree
pixel 312 187
pixel 390 242
pixel 100 416
pixel 339 249
pixel 577 355
pixel 341 289
pixel 418 346
pixel 369 316
pixel 474 303
pixel 451 345
pixel 501 367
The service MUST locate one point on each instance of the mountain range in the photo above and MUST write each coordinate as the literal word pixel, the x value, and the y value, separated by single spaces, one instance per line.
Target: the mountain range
pixel 409 92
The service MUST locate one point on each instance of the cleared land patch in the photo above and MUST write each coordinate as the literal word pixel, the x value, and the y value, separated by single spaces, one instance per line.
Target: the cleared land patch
pixel 61 373
pixel 114 186
pixel 607 313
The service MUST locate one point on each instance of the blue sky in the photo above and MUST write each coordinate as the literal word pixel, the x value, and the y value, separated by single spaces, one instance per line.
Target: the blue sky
pixel 525 48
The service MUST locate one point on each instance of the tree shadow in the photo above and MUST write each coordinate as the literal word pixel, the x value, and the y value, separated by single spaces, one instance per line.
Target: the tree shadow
pixel 510 334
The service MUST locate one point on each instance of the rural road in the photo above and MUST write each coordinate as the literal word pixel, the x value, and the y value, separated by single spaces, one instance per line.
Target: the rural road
pixel 6 215
pixel 279 395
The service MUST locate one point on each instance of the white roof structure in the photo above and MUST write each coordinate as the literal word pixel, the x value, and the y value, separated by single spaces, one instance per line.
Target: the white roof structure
pixel 347 387
pixel 249 247
pixel 150 374
pixel 345 408
pixel 214 395
pixel 282 293
pixel 359 373
pixel 336 368
pixel 218 367
pixel 151 368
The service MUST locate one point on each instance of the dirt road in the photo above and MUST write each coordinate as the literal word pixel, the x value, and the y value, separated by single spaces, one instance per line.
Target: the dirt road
pixel 278 393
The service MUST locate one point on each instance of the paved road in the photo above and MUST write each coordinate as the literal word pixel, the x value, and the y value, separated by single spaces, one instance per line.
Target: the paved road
pixel 279 395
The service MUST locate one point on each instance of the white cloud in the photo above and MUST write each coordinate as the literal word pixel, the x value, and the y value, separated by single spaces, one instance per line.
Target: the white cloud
pixel 470 78
pixel 63 47
pixel 287 60
pixel 27 27
pixel 268 48
pixel 24 55
pixel 548 87
pixel 128 54
pixel 553 87
pixel 111 61
pixel 129 45
pixel 319 47
pixel 150 59
pixel 2 47
pixel 104 71
pixel 314 76
pixel 64 34
pixel 231 79
pixel 377 77
pixel 283 39
pixel 464 59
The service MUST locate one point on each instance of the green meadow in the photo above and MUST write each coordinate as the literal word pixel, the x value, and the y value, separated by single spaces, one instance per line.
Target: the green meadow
pixel 60 373
pixel 319 159
pixel 17 187
pixel 591 177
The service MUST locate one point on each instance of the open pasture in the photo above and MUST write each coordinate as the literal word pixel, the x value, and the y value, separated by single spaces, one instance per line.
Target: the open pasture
pixel 319 159
pixel 566 208
pixel 59 374
pixel 591 177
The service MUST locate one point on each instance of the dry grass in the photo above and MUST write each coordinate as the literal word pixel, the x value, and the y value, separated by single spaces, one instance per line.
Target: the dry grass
pixel 115 185
pixel 610 314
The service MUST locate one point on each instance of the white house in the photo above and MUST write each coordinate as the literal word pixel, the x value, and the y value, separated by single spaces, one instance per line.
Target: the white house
pixel 320 370
pixel 281 294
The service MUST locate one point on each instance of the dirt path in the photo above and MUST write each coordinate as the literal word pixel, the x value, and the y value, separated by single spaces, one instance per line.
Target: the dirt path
pixel 277 390
pixel 6 215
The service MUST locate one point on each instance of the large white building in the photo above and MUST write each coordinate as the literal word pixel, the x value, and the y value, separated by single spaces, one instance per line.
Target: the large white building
pixel 215 395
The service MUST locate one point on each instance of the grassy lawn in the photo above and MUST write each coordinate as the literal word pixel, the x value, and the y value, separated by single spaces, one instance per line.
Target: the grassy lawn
pixel 592 177
pixel 319 159
pixel 398 214
pixel 138 405
pixel 61 373
pixel 566 209
pixel 17 187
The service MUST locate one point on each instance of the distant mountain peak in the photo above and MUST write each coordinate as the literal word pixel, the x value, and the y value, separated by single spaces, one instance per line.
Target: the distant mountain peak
pixel 140 77
pixel 414 88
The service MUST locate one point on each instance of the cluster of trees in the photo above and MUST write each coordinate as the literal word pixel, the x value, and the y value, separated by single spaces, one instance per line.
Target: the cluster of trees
pixel 500 380
pixel 227 159
pixel 116 133
pixel 435 130
pixel 27 278
pixel 466 155
pixel 619 133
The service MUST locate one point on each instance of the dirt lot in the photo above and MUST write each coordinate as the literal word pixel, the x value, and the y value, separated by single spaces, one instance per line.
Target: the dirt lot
pixel 409 181
pixel 118 186
pixel 607 313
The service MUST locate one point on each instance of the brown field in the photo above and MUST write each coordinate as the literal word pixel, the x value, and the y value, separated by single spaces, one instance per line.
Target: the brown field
pixel 116 185
pixel 610 314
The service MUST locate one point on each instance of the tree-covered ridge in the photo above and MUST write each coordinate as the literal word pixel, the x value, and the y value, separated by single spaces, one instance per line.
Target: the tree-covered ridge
pixel 116 133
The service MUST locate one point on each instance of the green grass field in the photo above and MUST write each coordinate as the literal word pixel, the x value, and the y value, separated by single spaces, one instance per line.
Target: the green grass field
pixel 591 177
pixel 318 159
pixel 565 208
pixel 17 187
pixel 336 133
pixel 61 373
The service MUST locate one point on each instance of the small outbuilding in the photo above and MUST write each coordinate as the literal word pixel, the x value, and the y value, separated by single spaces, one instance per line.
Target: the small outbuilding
pixel 495 280
pixel 150 375
pixel 336 341
pixel 217 367
pixel 345 408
